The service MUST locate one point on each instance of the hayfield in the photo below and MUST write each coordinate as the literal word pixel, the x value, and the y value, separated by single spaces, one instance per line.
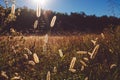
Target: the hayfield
pixel 77 57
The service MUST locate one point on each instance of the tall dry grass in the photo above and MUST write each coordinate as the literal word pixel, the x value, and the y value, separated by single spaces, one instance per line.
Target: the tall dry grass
pixel 24 55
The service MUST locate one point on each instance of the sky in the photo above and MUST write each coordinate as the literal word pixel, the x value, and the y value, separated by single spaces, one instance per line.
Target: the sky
pixel 90 7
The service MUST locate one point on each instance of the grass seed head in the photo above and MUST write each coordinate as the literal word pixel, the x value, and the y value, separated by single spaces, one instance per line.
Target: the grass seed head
pixel 86 78
pixel 16 78
pixel 81 52
pixel 85 58
pixel 46 39
pixel 19 10
pixel 28 51
pixel 53 21
pixel 96 38
pixel 94 52
pixel 26 56
pixel 89 53
pixel 55 69
pixel 72 63
pixel 38 11
pixel 94 42
pixel 3 74
pixel 48 76
pixel 60 53
pixel 12 30
pixel 31 63
pixel 102 35
pixel 83 63
pixel 72 70
pixel 35 24
pixel 112 66
pixel 82 68
pixel 13 9
pixel 36 58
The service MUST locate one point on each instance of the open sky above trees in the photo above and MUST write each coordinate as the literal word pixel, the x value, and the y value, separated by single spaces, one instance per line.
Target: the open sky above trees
pixel 90 7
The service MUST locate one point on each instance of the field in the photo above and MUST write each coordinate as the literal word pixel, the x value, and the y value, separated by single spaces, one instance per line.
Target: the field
pixel 80 57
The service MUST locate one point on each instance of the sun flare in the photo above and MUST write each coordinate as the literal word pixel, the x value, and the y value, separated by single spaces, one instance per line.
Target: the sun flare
pixel 42 2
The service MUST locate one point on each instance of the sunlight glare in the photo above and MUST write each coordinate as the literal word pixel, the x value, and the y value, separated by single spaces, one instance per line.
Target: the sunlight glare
pixel 42 2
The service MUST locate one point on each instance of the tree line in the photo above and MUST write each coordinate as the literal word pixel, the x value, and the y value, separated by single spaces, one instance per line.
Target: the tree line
pixel 77 22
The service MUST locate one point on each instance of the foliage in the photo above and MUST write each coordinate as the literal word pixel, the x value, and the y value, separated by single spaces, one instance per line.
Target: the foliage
pixel 23 21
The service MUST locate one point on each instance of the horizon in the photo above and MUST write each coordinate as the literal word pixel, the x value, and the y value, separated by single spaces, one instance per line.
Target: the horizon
pixel 93 7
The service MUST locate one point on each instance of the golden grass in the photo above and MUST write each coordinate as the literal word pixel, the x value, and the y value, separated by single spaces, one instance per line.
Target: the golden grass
pixel 21 53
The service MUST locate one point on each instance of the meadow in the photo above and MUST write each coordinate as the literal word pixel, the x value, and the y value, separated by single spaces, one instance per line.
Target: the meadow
pixel 73 57
pixel 90 51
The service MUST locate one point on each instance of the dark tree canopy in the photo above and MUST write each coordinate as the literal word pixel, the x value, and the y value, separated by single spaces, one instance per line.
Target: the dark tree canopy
pixel 73 23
